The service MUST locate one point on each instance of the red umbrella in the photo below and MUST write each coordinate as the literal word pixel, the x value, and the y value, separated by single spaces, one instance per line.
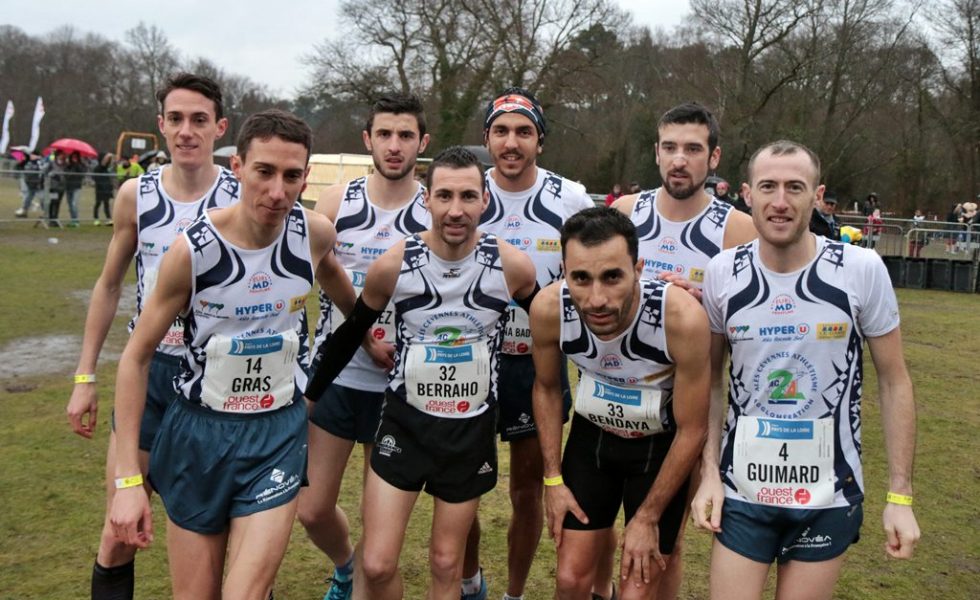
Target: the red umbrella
pixel 70 145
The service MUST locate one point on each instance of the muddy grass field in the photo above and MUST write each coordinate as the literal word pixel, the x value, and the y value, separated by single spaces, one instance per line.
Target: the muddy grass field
pixel 51 480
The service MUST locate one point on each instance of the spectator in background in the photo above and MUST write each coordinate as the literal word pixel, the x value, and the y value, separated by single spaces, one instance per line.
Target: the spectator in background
pixel 953 218
pixel 32 182
pixel 635 188
pixel 917 239
pixel 56 186
pixel 722 192
pixel 102 174
pixel 74 176
pixel 822 221
pixel 611 197
pixel 870 204
pixel 740 204
pixel 157 161
pixel 872 231
pixel 128 168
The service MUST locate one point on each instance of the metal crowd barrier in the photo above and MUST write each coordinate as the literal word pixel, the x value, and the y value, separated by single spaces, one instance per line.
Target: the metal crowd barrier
pixel 48 203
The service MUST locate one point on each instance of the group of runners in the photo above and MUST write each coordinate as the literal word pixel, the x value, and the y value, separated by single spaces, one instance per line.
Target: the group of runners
pixel 450 314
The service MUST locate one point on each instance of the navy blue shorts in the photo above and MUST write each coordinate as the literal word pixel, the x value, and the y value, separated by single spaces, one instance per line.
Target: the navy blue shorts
pixel 454 460
pixel 767 533
pixel 160 394
pixel 210 467
pixel 605 471
pixel 515 379
pixel 348 413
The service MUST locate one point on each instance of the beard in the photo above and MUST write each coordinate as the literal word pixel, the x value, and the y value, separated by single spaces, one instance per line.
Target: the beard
pixel 683 192
pixel 382 169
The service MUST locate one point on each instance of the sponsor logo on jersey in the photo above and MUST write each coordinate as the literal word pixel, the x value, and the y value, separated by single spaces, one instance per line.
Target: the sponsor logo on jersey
pixel 784 385
pixel 696 275
pixel 549 245
pixel 512 223
pixel 452 273
pixel 521 243
pixel 388 446
pixel 181 225
pixel 255 346
pixel 383 233
pixel 782 305
pixel 448 336
pixel 372 252
pixel 668 245
pixel 260 282
pixel 210 309
pixel 783 333
pixel 659 266
pixel 147 247
pixel 297 303
pixel 277 475
pixel 739 333
pixel 486 468
pixel 611 361
pixel 260 310
pixel 831 331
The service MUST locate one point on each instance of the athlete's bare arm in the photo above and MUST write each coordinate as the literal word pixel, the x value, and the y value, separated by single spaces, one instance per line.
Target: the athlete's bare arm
pixel 688 341
pixel 738 230
pixel 328 204
pixel 898 418
pixel 130 512
pixel 706 506
pixel 379 284
pixel 625 204
pixel 83 406
pixel 518 270
pixel 329 272
pixel 545 317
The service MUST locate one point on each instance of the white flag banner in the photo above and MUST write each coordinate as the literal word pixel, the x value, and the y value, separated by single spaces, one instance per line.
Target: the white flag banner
pixel 5 135
pixel 36 125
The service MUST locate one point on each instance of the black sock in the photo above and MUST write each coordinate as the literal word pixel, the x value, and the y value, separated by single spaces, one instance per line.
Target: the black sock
pixel 113 583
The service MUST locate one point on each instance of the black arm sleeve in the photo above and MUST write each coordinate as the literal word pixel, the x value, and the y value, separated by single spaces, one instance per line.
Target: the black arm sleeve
pixel 340 348
pixel 525 302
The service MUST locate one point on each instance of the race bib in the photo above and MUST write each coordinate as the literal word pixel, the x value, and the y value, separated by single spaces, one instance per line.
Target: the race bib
pixel 626 411
pixel 175 333
pixel 448 381
pixel 517 333
pixel 783 462
pixel 250 375
pixel 383 329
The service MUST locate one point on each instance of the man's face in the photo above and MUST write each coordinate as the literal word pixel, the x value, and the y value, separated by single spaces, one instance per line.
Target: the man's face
pixel 722 189
pixel 684 159
pixel 456 201
pixel 190 127
pixel 394 144
pixel 513 144
pixel 827 206
pixel 273 175
pixel 603 283
pixel 782 192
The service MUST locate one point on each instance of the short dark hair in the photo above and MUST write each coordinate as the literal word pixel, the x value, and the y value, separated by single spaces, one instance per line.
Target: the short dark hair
pixel 594 226
pixel 398 103
pixel 786 148
pixel 274 123
pixel 692 112
pixel 455 157
pixel 201 84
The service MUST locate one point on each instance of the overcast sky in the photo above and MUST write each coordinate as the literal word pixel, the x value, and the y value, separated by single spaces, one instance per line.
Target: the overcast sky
pixel 251 38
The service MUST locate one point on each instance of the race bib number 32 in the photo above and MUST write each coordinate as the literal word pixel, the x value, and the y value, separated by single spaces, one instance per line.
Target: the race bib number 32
pixel 448 381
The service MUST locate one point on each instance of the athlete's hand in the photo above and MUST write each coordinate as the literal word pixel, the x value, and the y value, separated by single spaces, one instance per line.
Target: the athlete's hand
pixel 681 283
pixel 83 409
pixel 901 529
pixel 382 353
pixel 130 517
pixel 559 501
pixel 706 506
pixel 641 543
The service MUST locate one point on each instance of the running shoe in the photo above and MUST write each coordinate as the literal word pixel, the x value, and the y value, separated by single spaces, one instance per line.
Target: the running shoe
pixel 481 595
pixel 340 590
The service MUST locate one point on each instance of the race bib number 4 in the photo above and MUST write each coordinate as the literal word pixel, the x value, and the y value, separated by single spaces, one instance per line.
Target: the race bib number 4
pixel 783 462
pixel 383 329
pixel 250 375
pixel 448 381
pixel 626 411
pixel 517 332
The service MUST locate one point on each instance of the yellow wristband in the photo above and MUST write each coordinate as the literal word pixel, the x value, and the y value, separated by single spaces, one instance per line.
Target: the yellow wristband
pixel 893 498
pixel 128 482
pixel 554 481
pixel 85 378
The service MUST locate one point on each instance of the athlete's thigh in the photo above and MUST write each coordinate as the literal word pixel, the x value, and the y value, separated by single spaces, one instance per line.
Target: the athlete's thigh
pixel 735 577
pixel 386 511
pixel 196 562
pixel 799 580
pixel 256 545
pixel 451 523
pixel 580 551
pixel 327 460
pixel 526 464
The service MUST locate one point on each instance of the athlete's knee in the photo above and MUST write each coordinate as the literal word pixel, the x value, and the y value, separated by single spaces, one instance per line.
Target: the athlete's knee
pixel 313 512
pixel 444 562
pixel 527 496
pixel 378 567
pixel 572 582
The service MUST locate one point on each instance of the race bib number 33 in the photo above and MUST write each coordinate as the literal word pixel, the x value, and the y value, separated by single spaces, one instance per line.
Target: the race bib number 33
pixel 626 411
pixel 784 462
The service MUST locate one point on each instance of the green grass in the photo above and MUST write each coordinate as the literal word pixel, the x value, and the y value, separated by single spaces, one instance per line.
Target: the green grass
pixel 51 480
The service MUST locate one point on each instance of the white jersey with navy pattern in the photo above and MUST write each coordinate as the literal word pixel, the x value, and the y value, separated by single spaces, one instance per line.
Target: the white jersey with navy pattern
pixel 364 232
pixel 796 365
pixel 621 369
pixel 253 298
pixel 681 247
pixel 448 312
pixel 531 221
pixel 159 220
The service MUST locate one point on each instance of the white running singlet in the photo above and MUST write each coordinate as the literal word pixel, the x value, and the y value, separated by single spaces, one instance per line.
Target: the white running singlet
pixel 626 383
pixel 365 232
pixel 793 433
pixel 246 323
pixel 159 220
pixel 531 220
pixel 448 321
pixel 681 247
